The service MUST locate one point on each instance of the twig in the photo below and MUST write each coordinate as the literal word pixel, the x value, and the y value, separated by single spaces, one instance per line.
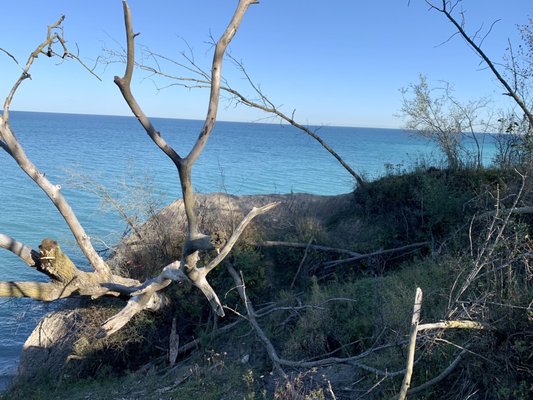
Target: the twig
pixel 301 263
pixel 251 318
pixel 372 388
pixel 326 249
pixel 466 349
pixel 439 378
pixel 12 57
pixel 374 254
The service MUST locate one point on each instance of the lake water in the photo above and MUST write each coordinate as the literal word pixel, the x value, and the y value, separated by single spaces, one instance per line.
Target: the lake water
pixel 240 158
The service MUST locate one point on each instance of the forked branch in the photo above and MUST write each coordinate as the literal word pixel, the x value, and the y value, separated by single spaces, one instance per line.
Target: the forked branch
pixel 184 165
pixel 144 294
pixel 186 269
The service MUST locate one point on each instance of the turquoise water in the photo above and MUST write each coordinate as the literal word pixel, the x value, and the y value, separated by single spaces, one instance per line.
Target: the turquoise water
pixel 240 158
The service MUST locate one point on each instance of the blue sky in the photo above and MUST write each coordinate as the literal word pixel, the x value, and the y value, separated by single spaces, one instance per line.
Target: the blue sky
pixel 335 63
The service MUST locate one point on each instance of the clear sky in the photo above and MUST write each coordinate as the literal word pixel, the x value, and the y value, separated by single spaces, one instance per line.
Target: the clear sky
pixel 335 62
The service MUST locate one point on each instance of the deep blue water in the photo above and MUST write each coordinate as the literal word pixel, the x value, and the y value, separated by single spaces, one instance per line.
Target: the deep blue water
pixel 240 158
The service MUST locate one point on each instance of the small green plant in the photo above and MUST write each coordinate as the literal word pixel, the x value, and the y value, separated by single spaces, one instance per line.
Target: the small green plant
pixel 299 387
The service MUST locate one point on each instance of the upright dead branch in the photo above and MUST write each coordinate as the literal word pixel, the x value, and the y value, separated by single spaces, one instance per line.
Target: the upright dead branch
pixel 195 239
pixel 412 345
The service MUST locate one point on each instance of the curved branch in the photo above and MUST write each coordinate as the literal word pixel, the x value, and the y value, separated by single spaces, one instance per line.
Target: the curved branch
pixel 272 353
pixel 265 105
pixel 439 378
pixel 269 107
pixel 124 85
pixel 236 234
pixel 278 362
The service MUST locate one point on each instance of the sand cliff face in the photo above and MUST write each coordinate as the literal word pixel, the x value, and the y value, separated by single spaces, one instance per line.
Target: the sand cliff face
pixel 47 349
pixel 218 212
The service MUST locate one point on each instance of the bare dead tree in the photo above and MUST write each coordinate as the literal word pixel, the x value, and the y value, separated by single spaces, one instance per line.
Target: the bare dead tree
pixel 186 268
pixel 66 279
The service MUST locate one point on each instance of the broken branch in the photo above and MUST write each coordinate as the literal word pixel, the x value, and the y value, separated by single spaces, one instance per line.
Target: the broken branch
pixel 412 345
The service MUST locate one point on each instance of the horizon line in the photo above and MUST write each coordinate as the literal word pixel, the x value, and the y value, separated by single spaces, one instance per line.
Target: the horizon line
pixel 218 120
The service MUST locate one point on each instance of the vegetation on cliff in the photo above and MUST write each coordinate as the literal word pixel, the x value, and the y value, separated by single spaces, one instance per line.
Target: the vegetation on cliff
pixel 341 320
